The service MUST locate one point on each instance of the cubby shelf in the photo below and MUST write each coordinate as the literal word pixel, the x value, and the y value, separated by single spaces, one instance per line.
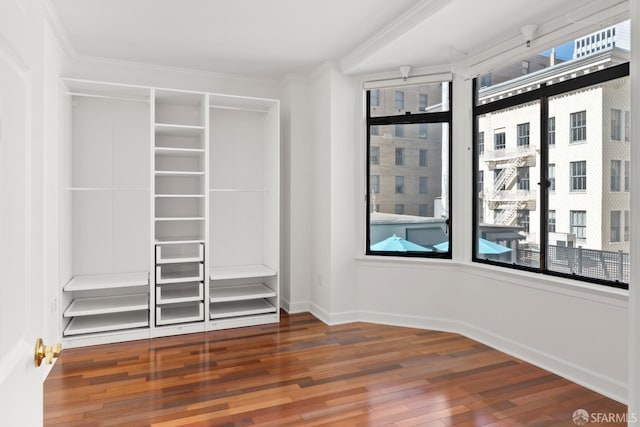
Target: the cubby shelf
pixel 225 310
pixel 107 322
pixel 110 304
pixel 179 293
pixel 240 292
pixel 192 274
pixel 179 173
pixel 241 272
pixel 178 130
pixel 179 313
pixel 107 281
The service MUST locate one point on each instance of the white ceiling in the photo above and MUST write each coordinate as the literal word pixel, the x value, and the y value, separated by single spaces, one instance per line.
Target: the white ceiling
pixel 273 38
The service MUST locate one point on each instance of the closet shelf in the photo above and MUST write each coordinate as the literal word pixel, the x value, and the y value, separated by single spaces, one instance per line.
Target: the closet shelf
pixel 179 152
pixel 178 130
pixel 179 196
pixel 107 322
pixel 240 293
pixel 104 305
pixel 171 314
pixel 179 293
pixel 107 281
pixel 240 308
pixel 178 240
pixel 181 218
pixel 240 272
pixel 179 173
pixel 190 275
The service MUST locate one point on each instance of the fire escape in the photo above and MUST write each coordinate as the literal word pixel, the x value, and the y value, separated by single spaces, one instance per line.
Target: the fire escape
pixel 505 195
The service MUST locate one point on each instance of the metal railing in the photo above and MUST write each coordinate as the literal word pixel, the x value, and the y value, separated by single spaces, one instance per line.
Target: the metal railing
pixel 597 264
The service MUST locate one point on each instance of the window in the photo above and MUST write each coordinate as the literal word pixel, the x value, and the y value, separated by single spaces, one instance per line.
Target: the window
pixel 499 141
pixel 616 175
pixel 399 100
pixel 375 98
pixel 423 157
pixel 374 130
pixel 523 219
pixel 375 155
pixel 627 126
pixel 399 156
pixel 423 130
pixel 627 219
pixel 411 169
pixel 578 175
pixel 543 228
pixel 615 226
pixel 523 178
pixel 578 129
pixel 616 125
pixel 627 166
pixel 399 184
pixel 375 184
pixel 523 134
pixel 578 224
pixel 424 101
pixel 423 185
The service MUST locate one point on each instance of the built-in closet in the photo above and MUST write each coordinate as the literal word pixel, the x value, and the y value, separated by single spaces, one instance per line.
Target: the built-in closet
pixel 170 211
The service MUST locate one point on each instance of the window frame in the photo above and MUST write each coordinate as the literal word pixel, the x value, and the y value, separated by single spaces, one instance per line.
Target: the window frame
pixel 436 117
pixel 541 94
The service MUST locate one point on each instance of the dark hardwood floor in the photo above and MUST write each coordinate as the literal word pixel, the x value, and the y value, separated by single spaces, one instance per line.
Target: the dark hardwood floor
pixel 302 372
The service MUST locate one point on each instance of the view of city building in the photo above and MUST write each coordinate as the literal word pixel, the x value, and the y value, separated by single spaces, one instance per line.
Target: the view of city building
pixel 406 167
pixel 587 165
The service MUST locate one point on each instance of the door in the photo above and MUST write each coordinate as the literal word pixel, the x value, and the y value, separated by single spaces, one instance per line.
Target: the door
pixel 20 296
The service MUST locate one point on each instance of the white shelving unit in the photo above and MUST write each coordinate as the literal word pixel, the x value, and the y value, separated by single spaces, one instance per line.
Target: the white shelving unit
pixel 170 212
pixel 180 147
pixel 105 211
pixel 244 212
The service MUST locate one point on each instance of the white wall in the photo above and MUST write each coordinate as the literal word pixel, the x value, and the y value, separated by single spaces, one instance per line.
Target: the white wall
pixel 297 181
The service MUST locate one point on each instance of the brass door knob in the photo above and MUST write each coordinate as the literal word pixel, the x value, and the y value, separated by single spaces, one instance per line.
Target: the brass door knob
pixel 48 353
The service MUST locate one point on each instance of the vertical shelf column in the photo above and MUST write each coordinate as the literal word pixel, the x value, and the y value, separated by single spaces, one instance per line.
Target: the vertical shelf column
pixel 180 209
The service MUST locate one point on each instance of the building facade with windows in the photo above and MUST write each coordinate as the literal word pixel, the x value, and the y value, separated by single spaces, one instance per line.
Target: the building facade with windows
pixel 588 160
pixel 405 159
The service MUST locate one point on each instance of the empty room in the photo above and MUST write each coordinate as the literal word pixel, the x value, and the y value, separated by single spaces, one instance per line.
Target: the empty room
pixel 305 213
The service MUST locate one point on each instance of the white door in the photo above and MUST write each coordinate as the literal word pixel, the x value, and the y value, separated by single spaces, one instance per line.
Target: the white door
pixel 20 295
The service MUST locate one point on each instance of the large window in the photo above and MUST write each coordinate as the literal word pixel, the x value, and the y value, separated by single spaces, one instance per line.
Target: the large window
pixel 523 134
pixel 616 175
pixel 408 170
pixel 578 175
pixel 578 126
pixel 553 198
pixel 578 224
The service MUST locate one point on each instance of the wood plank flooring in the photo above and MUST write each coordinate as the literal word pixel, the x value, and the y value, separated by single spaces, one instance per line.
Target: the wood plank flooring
pixel 305 373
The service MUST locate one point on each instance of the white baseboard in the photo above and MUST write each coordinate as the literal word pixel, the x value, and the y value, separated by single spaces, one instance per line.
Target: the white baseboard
pixel 295 307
